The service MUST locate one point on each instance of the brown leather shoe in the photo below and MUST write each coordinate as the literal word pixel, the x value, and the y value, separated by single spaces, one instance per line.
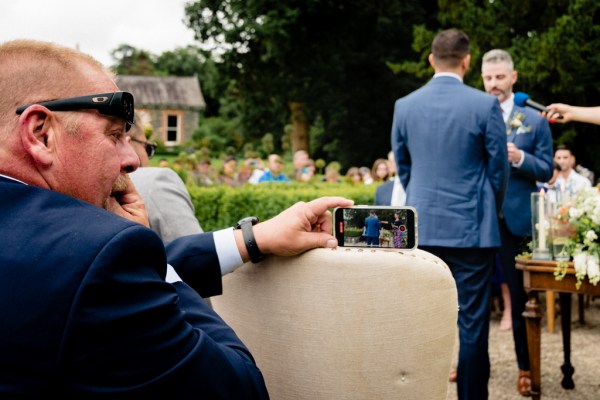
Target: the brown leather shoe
pixel 524 383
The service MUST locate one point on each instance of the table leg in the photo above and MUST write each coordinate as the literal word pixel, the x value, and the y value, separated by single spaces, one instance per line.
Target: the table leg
pixel 533 317
pixel 550 310
pixel 565 322
pixel 581 308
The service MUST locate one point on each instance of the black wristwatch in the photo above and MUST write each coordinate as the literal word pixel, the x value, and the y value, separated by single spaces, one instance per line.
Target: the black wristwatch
pixel 248 234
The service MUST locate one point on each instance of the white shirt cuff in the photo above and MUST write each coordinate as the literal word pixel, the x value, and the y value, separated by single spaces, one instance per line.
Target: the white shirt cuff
pixel 518 165
pixel 227 251
pixel 172 276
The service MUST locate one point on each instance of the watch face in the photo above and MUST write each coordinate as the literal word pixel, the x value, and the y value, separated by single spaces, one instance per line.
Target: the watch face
pixel 252 220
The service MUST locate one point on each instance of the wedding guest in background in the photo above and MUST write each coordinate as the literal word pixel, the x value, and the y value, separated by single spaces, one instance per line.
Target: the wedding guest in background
pixel 391 193
pixel 299 160
pixel 550 187
pixel 171 212
pixel 529 144
pixel 568 180
pixel 449 142
pixel 581 170
pixel 332 174
pixel 258 169
pixel 204 175
pixel 307 173
pixel 228 172
pixel 367 178
pixel 380 170
pixel 353 175
pixel 274 170
pixel 170 209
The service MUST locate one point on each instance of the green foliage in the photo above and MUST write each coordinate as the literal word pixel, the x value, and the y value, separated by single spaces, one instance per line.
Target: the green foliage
pixel 329 56
pixel 218 207
pixel 132 61
pixel 268 147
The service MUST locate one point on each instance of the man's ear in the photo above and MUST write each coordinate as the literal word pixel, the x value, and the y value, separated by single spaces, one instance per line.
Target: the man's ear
pixel 431 60
pixel 35 129
pixel 466 62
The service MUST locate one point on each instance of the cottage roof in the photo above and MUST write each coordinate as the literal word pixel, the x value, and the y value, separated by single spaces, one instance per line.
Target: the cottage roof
pixel 163 91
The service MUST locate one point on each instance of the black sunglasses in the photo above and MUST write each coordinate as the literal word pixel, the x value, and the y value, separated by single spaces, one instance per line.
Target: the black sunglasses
pixel 116 104
pixel 149 146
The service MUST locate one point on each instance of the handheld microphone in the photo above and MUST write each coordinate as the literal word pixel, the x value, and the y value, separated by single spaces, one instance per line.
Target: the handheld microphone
pixel 522 100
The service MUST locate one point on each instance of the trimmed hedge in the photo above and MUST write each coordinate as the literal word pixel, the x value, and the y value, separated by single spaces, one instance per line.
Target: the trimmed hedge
pixel 219 207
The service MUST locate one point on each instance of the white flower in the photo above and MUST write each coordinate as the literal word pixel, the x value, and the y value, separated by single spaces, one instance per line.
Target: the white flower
pixel 591 235
pixel 593 271
pixel 580 262
pixel 523 129
pixel 575 212
pixel 516 123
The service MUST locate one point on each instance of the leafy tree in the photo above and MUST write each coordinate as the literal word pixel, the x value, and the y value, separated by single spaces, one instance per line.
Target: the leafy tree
pixel 192 61
pixel 296 61
pixel 132 61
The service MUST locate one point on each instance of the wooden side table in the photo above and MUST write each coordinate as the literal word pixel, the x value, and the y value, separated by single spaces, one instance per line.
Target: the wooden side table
pixel 539 276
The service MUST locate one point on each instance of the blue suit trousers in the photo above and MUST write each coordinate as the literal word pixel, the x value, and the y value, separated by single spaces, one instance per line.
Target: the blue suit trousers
pixel 472 270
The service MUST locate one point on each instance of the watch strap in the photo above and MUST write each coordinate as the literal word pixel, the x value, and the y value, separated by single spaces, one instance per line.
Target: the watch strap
pixel 248 234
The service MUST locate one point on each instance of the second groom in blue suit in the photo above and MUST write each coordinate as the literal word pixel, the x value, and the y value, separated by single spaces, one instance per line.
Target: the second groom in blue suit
pixel 449 142
pixel 529 142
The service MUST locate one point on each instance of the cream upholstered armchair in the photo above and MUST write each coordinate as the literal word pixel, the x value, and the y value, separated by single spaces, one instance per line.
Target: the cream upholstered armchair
pixel 346 323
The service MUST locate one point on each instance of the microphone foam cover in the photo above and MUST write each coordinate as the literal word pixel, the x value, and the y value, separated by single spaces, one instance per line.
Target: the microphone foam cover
pixel 521 98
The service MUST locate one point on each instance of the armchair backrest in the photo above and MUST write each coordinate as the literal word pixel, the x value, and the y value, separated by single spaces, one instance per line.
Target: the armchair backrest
pixel 346 323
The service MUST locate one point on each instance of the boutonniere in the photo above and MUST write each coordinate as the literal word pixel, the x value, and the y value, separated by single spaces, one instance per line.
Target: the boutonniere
pixel 517 123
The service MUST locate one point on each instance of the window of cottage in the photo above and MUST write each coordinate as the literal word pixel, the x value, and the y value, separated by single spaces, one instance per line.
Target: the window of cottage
pixel 173 136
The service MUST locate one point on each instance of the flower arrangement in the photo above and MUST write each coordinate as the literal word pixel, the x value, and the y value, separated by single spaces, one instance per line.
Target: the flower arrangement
pixel 581 212
pixel 517 123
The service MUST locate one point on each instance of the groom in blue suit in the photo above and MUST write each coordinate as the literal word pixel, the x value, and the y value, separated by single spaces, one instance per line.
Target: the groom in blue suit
pixel 449 142
pixel 529 143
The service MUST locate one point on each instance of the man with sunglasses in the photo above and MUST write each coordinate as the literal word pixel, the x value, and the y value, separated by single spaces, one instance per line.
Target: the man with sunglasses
pixel 89 306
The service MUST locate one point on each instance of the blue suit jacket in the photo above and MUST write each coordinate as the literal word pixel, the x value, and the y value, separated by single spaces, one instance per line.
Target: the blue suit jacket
pixel 86 312
pixel 372 226
pixel 383 193
pixel 449 141
pixel 535 139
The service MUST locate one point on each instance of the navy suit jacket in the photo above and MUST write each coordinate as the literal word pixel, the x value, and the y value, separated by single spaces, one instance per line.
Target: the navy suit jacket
pixel 383 193
pixel 87 313
pixel 449 141
pixel 535 139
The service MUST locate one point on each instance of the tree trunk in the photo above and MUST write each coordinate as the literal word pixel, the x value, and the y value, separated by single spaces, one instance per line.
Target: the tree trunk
pixel 299 133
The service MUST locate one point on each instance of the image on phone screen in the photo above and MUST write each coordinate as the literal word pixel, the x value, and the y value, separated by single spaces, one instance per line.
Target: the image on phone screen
pixel 376 226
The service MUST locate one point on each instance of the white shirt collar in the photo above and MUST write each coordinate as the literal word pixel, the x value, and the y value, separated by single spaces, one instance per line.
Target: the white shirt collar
pixel 452 74
pixel 507 106
pixel 10 177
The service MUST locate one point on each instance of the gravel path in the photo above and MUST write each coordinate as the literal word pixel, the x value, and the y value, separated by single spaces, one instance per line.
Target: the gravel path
pixel 585 358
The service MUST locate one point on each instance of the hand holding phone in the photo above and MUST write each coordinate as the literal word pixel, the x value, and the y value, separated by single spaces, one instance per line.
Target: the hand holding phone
pixel 376 226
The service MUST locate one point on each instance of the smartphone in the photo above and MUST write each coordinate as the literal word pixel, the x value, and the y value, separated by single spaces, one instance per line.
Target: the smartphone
pixel 376 226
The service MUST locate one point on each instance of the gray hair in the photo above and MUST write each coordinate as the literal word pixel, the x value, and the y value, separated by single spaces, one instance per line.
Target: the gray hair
pixel 498 55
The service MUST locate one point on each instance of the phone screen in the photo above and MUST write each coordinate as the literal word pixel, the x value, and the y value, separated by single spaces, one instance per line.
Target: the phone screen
pixel 376 226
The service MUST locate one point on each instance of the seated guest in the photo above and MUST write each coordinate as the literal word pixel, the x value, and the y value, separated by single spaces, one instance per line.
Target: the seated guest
pixel 121 313
pixel 274 171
